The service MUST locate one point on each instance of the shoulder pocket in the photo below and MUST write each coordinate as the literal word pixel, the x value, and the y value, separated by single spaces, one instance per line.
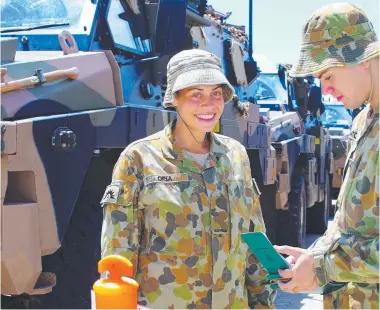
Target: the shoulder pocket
pixel 123 214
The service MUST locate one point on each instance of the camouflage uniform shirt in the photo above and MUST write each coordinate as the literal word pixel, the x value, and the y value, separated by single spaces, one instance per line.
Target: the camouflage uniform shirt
pixel 349 250
pixel 180 224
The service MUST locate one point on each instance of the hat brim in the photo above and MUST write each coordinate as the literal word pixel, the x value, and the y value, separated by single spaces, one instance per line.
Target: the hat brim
pixel 196 77
pixel 306 65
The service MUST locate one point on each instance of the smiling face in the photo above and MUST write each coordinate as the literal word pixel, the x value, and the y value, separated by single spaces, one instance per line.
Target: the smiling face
pixel 200 106
pixel 350 85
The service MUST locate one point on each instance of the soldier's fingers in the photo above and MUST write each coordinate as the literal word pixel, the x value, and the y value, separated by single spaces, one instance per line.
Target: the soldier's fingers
pixel 288 287
pixel 289 250
pixel 291 260
pixel 287 273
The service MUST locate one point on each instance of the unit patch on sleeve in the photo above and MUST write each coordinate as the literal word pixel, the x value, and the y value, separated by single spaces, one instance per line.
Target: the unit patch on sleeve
pixel 111 194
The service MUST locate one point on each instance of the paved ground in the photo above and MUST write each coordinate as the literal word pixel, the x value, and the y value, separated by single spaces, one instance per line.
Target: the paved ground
pixel 300 301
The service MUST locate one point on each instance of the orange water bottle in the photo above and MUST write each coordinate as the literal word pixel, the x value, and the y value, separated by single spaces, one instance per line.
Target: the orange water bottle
pixel 119 290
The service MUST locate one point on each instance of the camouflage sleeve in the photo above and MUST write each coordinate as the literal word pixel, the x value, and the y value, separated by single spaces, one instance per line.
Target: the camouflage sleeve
pixel 353 257
pixel 122 221
pixel 260 295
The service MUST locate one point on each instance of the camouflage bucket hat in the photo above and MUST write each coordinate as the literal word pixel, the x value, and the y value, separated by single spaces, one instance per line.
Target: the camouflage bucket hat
pixel 336 35
pixel 195 67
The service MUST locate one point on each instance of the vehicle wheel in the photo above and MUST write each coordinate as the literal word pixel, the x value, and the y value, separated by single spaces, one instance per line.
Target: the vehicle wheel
pixel 75 262
pixel 318 215
pixel 23 301
pixel 291 223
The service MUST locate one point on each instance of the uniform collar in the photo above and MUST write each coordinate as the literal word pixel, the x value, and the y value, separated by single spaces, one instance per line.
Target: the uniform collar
pixel 364 121
pixel 171 149
pixel 371 112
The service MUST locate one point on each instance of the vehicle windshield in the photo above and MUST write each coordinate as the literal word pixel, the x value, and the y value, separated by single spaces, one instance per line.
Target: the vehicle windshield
pixel 31 13
pixel 268 86
pixel 336 115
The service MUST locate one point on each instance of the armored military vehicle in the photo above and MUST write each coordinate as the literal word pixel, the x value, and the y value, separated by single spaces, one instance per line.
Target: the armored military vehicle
pixel 80 81
pixel 304 151
pixel 338 120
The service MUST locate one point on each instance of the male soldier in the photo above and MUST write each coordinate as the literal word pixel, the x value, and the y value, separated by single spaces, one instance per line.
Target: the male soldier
pixel 340 47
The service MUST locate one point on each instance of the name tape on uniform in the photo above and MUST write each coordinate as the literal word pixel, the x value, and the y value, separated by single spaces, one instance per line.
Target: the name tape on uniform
pixel 169 178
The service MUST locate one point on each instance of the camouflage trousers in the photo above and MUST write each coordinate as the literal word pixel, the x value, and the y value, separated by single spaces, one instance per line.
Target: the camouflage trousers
pixel 353 296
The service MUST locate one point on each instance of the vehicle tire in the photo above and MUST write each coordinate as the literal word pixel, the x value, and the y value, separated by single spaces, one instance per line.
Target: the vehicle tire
pixel 318 215
pixel 75 262
pixel 291 223
pixel 23 301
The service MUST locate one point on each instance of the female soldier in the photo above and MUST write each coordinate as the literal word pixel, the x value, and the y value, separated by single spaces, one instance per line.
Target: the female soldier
pixel 180 198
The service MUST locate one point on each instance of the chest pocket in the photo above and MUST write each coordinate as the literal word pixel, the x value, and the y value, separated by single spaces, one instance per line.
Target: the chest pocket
pixel 173 217
pixel 229 217
pixel 220 220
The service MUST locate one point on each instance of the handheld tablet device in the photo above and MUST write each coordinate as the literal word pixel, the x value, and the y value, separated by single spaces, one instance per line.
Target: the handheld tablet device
pixel 260 245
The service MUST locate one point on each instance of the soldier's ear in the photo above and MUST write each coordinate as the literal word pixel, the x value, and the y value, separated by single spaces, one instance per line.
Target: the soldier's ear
pixel 175 99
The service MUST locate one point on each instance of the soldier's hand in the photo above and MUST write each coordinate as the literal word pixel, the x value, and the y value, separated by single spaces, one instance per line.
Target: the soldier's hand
pixel 291 260
pixel 302 274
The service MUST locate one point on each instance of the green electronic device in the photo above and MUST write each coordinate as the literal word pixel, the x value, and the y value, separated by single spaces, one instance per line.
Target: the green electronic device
pixel 272 261
pixel 260 245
